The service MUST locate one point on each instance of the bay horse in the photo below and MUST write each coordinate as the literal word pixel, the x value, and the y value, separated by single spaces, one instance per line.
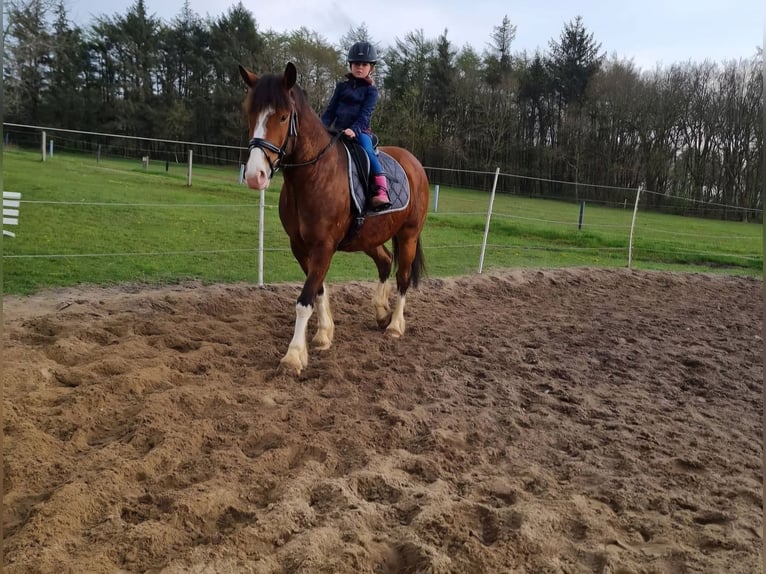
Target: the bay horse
pixel 315 207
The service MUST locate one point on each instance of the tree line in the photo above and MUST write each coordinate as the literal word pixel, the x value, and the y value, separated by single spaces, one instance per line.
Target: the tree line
pixel 690 133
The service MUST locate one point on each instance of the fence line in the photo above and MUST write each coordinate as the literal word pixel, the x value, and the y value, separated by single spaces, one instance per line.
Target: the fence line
pixel 270 206
pixel 485 243
pixel 136 254
pixel 119 204
pixel 139 138
pixel 710 203
pixel 604 225
pixel 261 249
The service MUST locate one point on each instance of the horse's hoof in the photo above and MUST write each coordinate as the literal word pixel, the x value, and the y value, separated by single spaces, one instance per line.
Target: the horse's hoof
pixel 384 322
pixel 321 343
pixel 292 364
pixel 393 333
pixel 287 368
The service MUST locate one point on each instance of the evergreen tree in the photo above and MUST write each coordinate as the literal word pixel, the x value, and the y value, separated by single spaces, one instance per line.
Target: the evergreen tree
pixel 403 114
pixel 185 71
pixel 497 61
pixel 29 46
pixel 440 97
pixel 71 95
pixel 440 87
pixel 574 60
pixel 535 88
pixel 234 39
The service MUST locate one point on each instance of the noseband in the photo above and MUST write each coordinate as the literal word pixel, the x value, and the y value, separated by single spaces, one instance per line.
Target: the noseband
pixel 264 145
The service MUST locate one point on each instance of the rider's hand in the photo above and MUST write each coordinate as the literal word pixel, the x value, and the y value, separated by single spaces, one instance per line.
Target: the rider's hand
pixel 349 132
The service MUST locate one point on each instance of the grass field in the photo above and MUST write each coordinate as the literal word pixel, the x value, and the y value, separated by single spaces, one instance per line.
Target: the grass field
pixel 112 222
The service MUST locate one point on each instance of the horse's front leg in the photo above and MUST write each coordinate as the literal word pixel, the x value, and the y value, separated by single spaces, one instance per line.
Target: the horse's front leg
pixel 297 357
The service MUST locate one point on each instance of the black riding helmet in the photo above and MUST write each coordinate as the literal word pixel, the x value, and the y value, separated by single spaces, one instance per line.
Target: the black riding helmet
pixel 362 52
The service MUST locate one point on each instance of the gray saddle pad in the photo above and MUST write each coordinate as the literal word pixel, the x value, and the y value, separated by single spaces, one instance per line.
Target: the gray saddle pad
pixel 398 185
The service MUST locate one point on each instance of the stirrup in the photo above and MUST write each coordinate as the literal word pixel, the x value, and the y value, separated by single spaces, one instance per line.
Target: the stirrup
pixel 380 206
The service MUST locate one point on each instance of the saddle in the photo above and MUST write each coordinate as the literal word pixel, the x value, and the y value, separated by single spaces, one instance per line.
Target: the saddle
pixel 360 178
pixel 359 182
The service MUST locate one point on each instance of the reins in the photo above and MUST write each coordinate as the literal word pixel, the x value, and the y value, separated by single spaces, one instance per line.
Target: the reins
pixel 332 141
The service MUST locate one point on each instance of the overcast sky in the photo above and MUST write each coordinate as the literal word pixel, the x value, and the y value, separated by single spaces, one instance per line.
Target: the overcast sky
pixel 649 32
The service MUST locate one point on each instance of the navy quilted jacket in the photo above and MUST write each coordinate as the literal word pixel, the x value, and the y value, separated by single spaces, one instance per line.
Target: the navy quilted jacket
pixel 351 105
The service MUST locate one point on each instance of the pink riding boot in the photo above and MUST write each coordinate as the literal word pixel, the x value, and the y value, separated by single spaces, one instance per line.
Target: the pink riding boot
pixel 379 199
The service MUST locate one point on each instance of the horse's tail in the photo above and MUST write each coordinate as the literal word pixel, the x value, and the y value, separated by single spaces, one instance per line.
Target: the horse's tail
pixel 418 268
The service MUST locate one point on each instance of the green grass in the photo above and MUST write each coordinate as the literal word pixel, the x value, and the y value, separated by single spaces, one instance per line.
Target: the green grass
pixel 148 226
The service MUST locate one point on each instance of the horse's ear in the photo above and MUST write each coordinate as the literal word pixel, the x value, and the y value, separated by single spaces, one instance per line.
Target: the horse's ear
pixel 291 75
pixel 249 77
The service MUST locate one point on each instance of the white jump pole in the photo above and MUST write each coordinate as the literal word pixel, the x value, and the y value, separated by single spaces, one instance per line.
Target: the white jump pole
pixel 632 226
pixel 489 217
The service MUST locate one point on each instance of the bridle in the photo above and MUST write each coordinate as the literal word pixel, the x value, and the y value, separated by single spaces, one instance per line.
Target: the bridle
pixel 263 145
pixel 292 131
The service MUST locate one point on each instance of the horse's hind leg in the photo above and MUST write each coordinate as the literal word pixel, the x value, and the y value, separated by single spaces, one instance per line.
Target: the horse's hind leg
pixel 325 325
pixel 380 298
pixel 396 326
pixel 381 304
pixel 409 260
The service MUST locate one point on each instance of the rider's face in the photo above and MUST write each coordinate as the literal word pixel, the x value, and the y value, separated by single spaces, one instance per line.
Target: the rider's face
pixel 361 69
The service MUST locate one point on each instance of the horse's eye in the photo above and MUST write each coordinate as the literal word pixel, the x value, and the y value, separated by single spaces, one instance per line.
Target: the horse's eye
pixel 283 118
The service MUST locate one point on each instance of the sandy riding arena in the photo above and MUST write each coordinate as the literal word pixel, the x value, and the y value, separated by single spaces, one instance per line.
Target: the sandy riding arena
pixel 564 421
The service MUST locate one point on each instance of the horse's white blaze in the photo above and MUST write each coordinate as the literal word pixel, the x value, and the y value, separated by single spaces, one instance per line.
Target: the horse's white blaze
pixel 257 169
pixel 297 356
pixel 396 328
pixel 326 328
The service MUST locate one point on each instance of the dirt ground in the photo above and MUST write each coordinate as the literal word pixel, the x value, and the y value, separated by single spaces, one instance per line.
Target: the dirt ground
pixel 562 421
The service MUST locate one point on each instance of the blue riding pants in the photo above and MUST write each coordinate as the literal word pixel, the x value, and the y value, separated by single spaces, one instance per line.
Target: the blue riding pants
pixel 366 142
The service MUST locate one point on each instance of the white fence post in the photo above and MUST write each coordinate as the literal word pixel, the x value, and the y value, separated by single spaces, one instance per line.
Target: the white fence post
pixel 436 198
pixel 632 226
pixel 189 170
pixel 489 217
pixel 261 209
pixel 42 147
